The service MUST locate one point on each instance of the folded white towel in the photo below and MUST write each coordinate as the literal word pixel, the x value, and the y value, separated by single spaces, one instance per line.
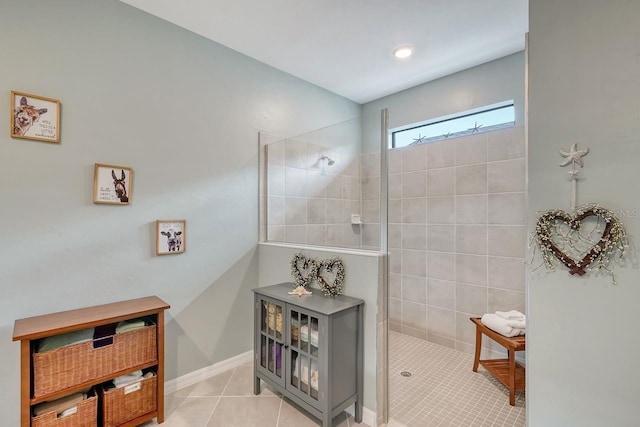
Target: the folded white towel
pixel 511 315
pixel 500 325
pixel 127 379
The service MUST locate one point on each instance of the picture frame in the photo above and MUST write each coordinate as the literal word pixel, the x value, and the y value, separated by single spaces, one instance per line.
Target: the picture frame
pixel 35 117
pixel 171 236
pixel 112 184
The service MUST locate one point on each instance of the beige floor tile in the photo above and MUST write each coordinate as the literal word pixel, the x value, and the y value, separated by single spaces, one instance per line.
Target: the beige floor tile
pixel 291 415
pixel 241 383
pixel 187 411
pixel 246 411
pixel 213 386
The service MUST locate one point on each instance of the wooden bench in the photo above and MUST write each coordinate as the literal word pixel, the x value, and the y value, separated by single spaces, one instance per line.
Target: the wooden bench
pixel 507 371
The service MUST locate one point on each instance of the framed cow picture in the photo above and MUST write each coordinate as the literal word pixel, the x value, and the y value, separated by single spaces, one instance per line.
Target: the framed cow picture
pixel 35 117
pixel 170 236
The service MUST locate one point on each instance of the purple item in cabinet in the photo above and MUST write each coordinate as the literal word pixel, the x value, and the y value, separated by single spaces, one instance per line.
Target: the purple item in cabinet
pixel 276 353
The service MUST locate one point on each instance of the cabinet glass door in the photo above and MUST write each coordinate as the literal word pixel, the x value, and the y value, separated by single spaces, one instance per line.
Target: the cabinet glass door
pixel 304 369
pixel 271 340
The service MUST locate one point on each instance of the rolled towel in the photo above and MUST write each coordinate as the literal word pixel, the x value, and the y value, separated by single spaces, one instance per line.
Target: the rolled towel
pixel 124 380
pixel 59 405
pixel 511 315
pixel 500 325
pixel 129 325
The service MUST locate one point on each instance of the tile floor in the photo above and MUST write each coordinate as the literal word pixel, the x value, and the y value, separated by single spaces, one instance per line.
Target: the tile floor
pixel 227 400
pixel 443 389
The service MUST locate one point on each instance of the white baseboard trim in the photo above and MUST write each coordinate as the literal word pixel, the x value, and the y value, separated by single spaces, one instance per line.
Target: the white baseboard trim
pixel 368 416
pixel 210 371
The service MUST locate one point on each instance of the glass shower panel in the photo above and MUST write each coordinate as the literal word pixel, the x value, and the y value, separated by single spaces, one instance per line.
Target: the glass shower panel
pixel 321 188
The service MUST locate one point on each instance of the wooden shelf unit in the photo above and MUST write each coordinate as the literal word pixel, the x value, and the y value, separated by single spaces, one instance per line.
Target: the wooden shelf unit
pixel 31 329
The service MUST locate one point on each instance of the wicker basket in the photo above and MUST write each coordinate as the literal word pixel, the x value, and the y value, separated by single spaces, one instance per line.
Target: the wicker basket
pixel 87 416
pixel 69 366
pixel 120 405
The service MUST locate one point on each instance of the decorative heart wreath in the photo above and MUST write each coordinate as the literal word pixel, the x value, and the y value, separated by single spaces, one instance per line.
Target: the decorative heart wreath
pixel 303 269
pixel 335 267
pixel 573 248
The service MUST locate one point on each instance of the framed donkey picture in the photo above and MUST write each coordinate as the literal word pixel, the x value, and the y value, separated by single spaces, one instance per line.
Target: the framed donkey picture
pixel 35 117
pixel 112 184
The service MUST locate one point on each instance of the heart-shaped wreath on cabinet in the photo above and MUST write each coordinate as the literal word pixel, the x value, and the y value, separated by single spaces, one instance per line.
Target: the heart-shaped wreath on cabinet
pixel 303 269
pixel 331 276
pixel 589 235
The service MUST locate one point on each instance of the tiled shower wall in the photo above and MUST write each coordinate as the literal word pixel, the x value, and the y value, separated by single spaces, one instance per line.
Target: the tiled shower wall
pixel 309 201
pixel 456 234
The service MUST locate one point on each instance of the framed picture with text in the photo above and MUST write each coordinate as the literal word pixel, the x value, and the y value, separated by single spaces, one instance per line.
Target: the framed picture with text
pixel 112 184
pixel 35 117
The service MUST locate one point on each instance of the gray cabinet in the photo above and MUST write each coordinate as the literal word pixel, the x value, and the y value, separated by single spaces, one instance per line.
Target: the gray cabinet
pixel 310 349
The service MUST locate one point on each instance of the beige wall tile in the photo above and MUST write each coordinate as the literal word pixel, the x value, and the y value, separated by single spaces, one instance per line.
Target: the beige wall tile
pixel 370 211
pixel 440 210
pixel 471 179
pixel 395 211
pixel 506 144
pixel 295 154
pixel 414 289
pixel 395 285
pixel 414 158
pixel 414 210
pixel 370 188
pixel 333 189
pixel 441 294
pixel 471 149
pixel 414 263
pixel 275 153
pixel 505 300
pixel 394 232
pixel 276 180
pixel 507 209
pixel 440 238
pixel 440 182
pixel 414 184
pixel 395 186
pixel 316 211
pixel 441 323
pixel 471 209
pixel 295 233
pixel 507 240
pixel 414 315
pixel 316 234
pixel 276 210
pixel 506 273
pixel 370 234
pixel 471 269
pixel 471 239
pixel 395 161
pixel 334 235
pixel 395 310
pixel 471 299
pixel 414 236
pixel 440 265
pixel 506 176
pixel 465 329
pixel 295 211
pixel 370 164
pixel 395 260
pixel 333 213
pixel 440 154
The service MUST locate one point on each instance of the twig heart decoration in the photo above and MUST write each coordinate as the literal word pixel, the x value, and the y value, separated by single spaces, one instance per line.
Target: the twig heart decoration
pixel 331 276
pixel 573 247
pixel 303 269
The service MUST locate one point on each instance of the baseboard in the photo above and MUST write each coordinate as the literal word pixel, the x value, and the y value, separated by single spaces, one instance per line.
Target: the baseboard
pixel 210 371
pixel 368 416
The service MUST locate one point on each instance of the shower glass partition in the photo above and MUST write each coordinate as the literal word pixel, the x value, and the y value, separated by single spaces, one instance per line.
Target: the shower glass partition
pixel 321 188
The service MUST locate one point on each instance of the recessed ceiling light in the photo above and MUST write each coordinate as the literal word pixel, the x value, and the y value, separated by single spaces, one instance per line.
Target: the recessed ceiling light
pixel 403 52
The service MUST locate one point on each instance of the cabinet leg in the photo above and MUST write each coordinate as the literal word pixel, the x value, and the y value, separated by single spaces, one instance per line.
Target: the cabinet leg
pixel 357 413
pixel 326 419
pixel 256 385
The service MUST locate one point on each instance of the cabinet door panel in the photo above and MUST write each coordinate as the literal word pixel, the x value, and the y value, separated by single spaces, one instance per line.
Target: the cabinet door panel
pixel 271 322
pixel 304 354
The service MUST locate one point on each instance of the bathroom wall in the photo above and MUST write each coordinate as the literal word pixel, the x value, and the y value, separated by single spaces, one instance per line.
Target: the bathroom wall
pixel 584 87
pixel 456 234
pixel 184 113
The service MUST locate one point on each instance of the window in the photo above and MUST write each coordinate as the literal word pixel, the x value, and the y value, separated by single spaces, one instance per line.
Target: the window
pixel 486 119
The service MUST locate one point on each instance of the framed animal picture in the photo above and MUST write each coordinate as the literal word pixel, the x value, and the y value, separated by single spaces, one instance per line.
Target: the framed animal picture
pixel 112 184
pixel 35 117
pixel 170 236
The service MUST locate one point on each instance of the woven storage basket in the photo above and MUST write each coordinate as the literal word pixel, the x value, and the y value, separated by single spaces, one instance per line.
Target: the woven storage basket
pixel 68 366
pixel 87 416
pixel 118 407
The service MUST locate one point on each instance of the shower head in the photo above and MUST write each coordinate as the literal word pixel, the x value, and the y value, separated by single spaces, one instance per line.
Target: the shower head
pixel 329 160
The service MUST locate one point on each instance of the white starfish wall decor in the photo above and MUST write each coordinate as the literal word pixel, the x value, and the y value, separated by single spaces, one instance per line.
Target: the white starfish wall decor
pixel 573 157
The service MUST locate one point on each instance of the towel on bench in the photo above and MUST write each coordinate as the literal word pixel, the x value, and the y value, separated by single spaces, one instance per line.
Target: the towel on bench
pixel 501 325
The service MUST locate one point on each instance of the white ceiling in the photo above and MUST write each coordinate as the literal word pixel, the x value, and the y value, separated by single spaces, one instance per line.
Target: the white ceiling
pixel 346 46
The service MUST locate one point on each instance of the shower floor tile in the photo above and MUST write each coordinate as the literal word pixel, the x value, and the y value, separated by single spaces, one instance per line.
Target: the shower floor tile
pixel 443 390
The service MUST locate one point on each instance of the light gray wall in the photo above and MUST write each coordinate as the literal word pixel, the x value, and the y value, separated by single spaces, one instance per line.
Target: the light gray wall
pixel 363 273
pixel 584 76
pixel 486 84
pixel 185 113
